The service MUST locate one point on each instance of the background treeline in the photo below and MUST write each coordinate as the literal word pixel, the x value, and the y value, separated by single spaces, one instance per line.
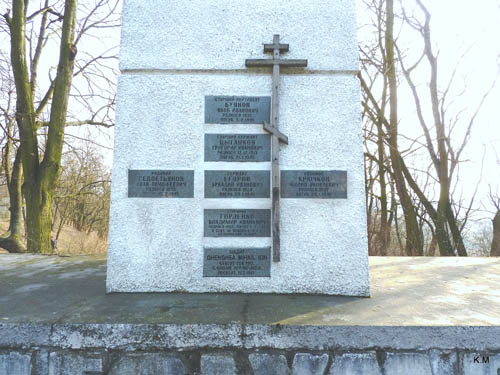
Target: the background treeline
pixel 413 176
pixel 58 68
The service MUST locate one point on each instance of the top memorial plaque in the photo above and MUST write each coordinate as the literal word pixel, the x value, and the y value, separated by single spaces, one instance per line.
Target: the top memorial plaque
pixel 237 109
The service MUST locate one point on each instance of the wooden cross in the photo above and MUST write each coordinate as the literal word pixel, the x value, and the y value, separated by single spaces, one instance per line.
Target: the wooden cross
pixel 276 62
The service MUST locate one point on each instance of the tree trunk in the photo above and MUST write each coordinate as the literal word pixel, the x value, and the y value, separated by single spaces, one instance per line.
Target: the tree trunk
pixel 432 246
pixel 15 197
pixel 414 239
pixel 38 217
pixel 13 176
pixel 383 238
pixel 444 214
pixel 13 243
pixel 25 113
pixel 455 232
pixel 40 178
pixel 495 242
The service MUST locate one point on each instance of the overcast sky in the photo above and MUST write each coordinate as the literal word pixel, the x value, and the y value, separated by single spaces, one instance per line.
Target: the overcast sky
pixel 458 26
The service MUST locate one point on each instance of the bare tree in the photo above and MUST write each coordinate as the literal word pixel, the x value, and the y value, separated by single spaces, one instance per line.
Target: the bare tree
pixel 379 63
pixel 414 245
pixel 444 155
pixel 82 196
pixel 446 216
pixel 11 159
pixel 42 110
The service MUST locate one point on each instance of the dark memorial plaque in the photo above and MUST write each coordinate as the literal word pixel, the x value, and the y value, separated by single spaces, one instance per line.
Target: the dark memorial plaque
pixel 237 223
pixel 237 184
pixel 237 147
pixel 314 184
pixel 160 184
pixel 237 109
pixel 237 262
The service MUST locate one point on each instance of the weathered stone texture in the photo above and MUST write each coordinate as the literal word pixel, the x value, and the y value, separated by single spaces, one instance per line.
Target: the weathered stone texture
pixel 99 361
pixel 217 364
pixel 309 364
pixel 145 337
pixel 147 363
pixel 269 364
pixel 15 364
pixel 408 364
pixel 24 335
pixel 443 363
pixel 40 362
pixel 65 363
pixel 480 364
pixel 355 364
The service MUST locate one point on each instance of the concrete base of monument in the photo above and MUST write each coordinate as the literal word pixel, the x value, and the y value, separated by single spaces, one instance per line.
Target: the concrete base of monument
pixel 425 316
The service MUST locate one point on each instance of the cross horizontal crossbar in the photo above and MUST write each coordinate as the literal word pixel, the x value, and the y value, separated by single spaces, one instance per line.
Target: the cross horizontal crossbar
pixel 270 47
pixel 255 63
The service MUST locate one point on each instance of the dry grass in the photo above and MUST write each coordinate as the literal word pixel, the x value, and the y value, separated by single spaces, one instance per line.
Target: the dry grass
pixel 73 242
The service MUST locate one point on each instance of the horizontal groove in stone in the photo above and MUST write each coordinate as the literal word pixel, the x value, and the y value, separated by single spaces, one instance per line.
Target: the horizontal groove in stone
pixel 263 71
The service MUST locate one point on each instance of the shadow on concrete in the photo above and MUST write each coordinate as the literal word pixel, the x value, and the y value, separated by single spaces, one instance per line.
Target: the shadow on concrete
pixel 72 290
pixel 405 291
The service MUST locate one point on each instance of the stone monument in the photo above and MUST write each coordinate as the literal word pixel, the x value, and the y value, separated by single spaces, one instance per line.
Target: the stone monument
pixel 238 162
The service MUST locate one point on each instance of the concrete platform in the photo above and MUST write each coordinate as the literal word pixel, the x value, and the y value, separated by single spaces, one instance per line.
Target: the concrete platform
pixel 426 316
pixel 405 292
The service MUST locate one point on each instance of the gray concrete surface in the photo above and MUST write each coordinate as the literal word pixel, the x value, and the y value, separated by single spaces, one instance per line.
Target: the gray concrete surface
pixel 405 292
pixel 427 316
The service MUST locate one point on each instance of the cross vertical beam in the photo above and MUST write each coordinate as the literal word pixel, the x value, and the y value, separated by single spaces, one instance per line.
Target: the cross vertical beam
pixel 276 62
pixel 275 151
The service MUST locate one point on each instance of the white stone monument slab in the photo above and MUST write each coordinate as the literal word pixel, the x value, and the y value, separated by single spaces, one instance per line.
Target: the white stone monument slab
pixel 175 54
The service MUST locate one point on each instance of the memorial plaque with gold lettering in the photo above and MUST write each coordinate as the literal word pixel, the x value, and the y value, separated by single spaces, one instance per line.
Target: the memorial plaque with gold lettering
pixel 237 262
pixel 160 184
pixel 237 223
pixel 237 184
pixel 237 109
pixel 237 147
pixel 314 184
